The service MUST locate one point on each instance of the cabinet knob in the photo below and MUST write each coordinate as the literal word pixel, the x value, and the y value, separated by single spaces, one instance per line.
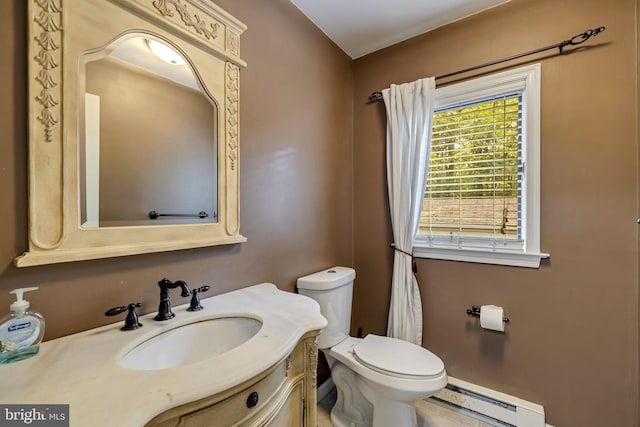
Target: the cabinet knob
pixel 252 400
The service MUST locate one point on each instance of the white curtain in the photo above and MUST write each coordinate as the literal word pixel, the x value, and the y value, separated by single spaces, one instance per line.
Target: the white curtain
pixel 409 118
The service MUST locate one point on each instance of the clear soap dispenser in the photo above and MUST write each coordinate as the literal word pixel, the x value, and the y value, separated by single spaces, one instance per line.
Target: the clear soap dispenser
pixel 21 331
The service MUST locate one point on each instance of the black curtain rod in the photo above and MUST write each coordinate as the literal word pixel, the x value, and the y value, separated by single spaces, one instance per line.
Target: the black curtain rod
pixel 575 40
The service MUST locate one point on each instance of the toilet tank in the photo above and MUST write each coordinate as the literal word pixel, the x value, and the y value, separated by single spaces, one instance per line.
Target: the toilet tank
pixel 333 290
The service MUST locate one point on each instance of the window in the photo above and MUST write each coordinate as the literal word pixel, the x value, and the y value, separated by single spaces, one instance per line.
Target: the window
pixel 482 192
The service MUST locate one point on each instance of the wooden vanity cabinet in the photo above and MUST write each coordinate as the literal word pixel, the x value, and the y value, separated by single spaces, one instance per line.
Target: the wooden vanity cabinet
pixel 282 396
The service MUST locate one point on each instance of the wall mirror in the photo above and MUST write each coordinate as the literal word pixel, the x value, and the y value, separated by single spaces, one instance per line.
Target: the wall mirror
pixel 148 149
pixel 130 153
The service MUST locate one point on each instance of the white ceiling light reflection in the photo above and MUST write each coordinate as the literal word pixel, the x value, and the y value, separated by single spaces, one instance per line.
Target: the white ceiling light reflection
pixel 165 53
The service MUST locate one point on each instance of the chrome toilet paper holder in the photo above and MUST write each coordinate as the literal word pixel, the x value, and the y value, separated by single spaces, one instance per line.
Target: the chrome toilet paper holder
pixel 475 312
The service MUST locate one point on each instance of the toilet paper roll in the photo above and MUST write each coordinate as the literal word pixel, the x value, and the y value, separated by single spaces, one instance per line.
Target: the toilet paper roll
pixel 491 317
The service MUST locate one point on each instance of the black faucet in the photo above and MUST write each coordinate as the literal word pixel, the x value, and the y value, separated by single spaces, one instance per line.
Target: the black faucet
pixel 164 310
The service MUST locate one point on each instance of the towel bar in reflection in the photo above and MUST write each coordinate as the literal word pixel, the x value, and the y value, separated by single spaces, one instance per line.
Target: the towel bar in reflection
pixel 156 215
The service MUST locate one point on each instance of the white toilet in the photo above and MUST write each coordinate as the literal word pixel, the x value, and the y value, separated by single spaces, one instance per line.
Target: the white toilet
pixel 377 378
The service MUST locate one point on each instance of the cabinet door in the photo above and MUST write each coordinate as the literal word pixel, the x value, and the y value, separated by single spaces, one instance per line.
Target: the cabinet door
pixel 292 412
pixel 280 397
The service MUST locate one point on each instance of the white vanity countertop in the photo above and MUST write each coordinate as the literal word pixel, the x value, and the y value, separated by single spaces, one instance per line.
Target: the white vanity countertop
pixel 83 369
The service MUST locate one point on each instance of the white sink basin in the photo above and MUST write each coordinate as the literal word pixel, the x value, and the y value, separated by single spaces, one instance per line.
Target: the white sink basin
pixel 191 343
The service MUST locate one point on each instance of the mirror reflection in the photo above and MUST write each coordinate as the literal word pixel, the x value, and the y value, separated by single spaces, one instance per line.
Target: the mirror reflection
pixel 149 139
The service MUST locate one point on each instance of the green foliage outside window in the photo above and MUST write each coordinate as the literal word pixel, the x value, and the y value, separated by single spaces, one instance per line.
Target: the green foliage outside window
pixel 473 184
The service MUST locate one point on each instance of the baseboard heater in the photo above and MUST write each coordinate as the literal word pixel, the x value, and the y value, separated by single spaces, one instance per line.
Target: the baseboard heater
pixel 489 405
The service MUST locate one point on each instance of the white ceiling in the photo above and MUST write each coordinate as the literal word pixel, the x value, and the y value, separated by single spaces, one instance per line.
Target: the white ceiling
pixel 360 27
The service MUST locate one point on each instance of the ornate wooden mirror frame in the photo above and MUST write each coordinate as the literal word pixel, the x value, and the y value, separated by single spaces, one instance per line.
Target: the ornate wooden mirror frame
pixel 60 32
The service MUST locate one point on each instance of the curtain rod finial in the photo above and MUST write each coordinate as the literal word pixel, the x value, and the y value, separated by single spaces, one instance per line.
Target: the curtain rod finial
pixel 375 96
pixel 580 38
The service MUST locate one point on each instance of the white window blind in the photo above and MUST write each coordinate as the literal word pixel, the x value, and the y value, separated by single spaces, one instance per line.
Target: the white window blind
pixel 475 173
pixel 482 195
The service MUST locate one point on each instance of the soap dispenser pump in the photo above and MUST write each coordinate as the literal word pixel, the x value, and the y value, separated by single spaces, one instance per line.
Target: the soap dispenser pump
pixel 21 331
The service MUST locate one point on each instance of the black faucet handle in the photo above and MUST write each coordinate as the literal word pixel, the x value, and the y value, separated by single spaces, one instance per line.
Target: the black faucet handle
pixel 204 288
pixel 195 299
pixel 131 322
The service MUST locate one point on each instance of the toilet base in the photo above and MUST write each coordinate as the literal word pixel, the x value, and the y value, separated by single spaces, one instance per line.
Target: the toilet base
pixel 395 414
pixel 351 408
pixel 338 419
pixel 358 405
pixel 388 412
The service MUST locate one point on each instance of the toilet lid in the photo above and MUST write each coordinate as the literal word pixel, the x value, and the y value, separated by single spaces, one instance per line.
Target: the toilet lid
pixel 392 356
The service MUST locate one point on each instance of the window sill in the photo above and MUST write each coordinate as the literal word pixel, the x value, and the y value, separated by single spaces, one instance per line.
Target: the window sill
pixel 514 259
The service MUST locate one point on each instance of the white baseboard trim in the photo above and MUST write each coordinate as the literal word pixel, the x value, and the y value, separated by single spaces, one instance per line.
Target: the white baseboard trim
pixel 503 408
pixel 324 389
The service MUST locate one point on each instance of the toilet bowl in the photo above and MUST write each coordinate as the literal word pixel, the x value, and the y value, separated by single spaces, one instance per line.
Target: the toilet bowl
pixel 377 378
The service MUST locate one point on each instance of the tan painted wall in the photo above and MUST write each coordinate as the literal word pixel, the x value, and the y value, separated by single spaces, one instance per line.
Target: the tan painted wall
pixel 572 344
pixel 296 153
pixel 298 163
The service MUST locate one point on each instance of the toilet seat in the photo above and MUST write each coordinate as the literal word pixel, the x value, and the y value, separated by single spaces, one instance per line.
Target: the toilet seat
pixel 398 358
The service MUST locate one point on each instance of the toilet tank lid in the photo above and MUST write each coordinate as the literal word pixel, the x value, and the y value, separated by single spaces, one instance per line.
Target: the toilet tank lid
pixel 330 278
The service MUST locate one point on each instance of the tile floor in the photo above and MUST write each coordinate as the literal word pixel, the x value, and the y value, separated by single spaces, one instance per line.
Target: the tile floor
pixel 429 415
